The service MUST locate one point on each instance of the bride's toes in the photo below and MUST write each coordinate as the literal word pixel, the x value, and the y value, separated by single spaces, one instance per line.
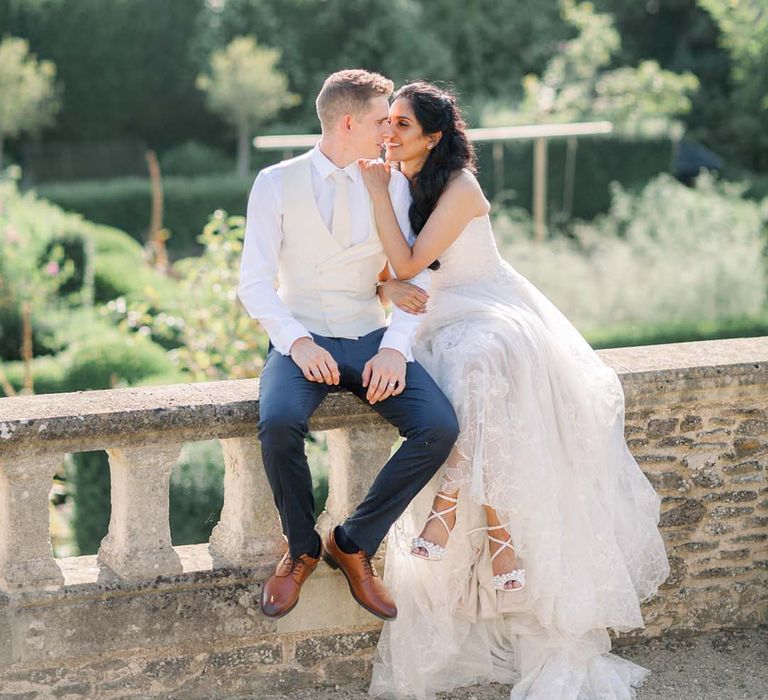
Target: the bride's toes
pixel 512 585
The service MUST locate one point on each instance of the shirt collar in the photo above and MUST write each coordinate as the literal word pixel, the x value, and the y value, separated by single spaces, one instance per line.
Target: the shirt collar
pixel 325 167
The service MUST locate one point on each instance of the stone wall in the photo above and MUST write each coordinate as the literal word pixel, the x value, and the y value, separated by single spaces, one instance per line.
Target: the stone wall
pixel 701 438
pixel 184 622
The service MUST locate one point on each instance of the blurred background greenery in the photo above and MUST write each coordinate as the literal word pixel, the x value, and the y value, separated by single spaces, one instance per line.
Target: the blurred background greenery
pixel 659 237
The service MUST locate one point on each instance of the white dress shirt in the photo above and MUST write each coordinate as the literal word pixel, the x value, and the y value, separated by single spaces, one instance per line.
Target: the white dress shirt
pixel 263 239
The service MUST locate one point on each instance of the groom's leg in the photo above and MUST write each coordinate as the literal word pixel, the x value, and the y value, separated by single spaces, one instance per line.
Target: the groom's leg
pixel 286 401
pixel 425 417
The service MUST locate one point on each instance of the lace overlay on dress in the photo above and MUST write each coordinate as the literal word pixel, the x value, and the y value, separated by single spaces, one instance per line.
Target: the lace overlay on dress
pixel 542 442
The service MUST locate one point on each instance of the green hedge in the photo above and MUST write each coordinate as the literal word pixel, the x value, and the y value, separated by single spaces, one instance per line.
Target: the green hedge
pixel 599 162
pixel 126 204
pixel 678 332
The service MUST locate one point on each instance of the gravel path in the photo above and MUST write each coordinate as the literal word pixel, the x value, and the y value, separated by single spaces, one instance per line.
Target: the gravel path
pixel 729 665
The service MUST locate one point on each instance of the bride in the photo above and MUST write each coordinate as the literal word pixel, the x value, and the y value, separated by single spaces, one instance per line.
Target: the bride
pixel 540 533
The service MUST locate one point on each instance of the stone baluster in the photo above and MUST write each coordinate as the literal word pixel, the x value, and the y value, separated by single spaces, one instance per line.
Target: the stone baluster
pixel 249 531
pixel 356 457
pixel 138 544
pixel 26 555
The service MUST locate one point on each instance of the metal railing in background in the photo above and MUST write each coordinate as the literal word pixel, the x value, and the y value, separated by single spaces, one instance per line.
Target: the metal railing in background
pixel 540 134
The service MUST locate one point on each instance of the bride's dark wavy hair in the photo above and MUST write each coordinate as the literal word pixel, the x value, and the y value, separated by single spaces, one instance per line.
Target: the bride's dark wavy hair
pixel 436 110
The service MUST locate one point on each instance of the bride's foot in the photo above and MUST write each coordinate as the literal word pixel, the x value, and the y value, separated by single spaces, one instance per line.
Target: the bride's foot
pixel 507 576
pixel 431 543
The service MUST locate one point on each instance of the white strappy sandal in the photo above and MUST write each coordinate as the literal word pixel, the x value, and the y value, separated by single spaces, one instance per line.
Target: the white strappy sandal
pixel 435 552
pixel 500 581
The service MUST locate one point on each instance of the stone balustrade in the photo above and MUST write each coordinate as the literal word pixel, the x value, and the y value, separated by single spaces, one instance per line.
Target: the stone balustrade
pixel 144 618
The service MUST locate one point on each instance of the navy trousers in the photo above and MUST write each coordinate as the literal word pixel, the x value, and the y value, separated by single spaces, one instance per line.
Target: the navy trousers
pixel 422 414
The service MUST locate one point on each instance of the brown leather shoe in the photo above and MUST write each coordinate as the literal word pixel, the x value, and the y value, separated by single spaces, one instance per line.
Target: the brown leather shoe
pixel 281 591
pixel 364 583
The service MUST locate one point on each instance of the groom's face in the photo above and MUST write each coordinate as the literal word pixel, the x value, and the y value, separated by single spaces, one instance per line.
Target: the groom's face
pixel 370 131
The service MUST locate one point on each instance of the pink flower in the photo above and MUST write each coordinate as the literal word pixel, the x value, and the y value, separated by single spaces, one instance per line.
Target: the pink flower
pixel 52 268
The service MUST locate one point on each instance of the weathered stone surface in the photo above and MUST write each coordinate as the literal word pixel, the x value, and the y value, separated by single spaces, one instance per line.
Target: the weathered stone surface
pixel 249 529
pixel 311 651
pixel 245 658
pixel 731 511
pixel 722 572
pixel 707 479
pixel 745 447
pixel 755 426
pixel 658 427
pixel 674 441
pixel 655 459
pixel 688 512
pixel 732 496
pixel 667 480
pixel 138 544
pixel 696 546
pixel 735 554
pixel 26 556
pixel 690 423
pixel 759 537
pixel 743 467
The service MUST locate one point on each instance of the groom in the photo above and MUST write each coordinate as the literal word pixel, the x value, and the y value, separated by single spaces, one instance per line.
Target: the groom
pixel 310 225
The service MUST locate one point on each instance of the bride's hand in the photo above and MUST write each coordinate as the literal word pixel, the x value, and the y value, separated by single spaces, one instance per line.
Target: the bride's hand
pixel 405 296
pixel 375 174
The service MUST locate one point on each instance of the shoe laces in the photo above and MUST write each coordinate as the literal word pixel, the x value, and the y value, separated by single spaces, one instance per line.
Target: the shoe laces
pixel 293 564
pixel 368 564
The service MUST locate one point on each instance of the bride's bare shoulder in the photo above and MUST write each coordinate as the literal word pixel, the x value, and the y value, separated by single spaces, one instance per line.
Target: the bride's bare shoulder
pixel 463 184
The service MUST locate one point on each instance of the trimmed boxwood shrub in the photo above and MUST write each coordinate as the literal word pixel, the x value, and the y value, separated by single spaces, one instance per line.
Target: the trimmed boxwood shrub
pixel 114 276
pixel 101 363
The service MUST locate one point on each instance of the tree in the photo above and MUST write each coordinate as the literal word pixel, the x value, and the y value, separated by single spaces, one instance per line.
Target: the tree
pixel 27 91
pixel 246 89
pixel 578 84
pixel 743 28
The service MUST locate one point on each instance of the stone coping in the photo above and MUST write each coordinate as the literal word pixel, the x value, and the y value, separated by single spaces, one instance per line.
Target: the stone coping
pixel 88 420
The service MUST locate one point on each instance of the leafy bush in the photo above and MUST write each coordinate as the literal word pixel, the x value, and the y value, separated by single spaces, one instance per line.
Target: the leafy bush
pixel 71 254
pixel 48 374
pixel 88 482
pixel 197 492
pixel 215 336
pixel 101 363
pixel 115 277
pixel 668 254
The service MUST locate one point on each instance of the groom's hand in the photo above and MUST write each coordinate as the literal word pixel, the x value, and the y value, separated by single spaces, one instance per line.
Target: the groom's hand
pixel 315 362
pixel 384 375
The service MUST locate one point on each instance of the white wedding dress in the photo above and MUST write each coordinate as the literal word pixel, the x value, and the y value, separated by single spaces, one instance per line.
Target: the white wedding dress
pixel 542 442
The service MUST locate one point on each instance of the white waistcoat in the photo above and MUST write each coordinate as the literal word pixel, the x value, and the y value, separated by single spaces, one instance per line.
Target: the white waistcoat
pixel 329 289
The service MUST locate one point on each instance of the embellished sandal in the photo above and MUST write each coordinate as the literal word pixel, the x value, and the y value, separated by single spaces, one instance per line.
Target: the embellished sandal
pixel 500 581
pixel 435 552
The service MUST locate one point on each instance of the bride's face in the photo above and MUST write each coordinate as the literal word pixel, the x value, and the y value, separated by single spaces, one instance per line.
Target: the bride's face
pixel 408 142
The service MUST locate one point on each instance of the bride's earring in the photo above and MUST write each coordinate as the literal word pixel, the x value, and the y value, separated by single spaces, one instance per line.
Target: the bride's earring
pixel 430 146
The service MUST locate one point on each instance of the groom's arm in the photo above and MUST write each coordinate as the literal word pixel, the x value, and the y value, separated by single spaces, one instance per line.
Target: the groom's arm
pixel 402 325
pixel 259 264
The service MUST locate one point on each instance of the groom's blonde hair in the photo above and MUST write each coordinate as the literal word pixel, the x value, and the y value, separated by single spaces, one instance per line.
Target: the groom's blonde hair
pixel 348 92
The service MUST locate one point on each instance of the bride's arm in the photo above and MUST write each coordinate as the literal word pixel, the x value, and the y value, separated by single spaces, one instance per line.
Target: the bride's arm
pixel 461 201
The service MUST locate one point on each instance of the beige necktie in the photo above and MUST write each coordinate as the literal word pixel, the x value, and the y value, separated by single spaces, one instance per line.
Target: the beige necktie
pixel 341 226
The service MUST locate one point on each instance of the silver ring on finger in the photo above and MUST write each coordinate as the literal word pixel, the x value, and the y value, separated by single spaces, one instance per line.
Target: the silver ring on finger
pixel 392 384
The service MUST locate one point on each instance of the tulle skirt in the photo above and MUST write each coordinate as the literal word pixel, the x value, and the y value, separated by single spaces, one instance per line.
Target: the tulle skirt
pixel 542 442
